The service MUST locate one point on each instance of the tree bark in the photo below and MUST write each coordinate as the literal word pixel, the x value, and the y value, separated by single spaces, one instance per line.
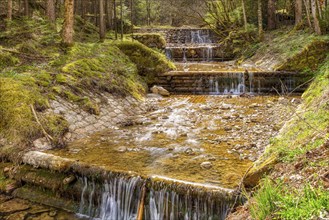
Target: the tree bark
pixel 115 20
pixel 108 12
pixel 132 19
pixel 316 23
pixel 67 34
pixel 10 10
pixel 260 20
pixel 271 9
pixel 101 20
pixel 244 14
pixel 148 12
pixel 83 9
pixel 51 11
pixel 121 18
pixel 26 8
pixel 298 11
pixel 307 9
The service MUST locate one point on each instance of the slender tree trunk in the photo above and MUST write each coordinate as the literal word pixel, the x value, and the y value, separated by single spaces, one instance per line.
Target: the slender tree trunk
pixel 121 18
pixel 67 33
pixel 83 9
pixel 298 11
pixel 148 11
pixel 101 20
pixel 271 9
pixel 260 20
pixel 26 8
pixel 51 11
pixel 107 14
pixel 115 20
pixel 307 9
pixel 244 14
pixel 132 19
pixel 319 8
pixel 10 10
pixel 315 17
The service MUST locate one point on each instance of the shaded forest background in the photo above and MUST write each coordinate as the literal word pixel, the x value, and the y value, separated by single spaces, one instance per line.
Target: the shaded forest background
pixel 122 16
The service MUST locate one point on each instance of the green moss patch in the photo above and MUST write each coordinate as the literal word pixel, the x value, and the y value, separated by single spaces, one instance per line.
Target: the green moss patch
pixel 149 62
pixel 7 59
pixel 152 40
pixel 308 59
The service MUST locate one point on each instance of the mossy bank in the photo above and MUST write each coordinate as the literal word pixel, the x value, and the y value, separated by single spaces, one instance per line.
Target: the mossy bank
pixel 36 81
pixel 297 160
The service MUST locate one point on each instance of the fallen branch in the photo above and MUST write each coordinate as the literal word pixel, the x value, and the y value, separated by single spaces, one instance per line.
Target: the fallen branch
pixel 48 137
pixel 141 204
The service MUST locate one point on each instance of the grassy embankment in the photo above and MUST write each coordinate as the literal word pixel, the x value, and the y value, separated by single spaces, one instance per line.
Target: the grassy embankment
pixel 34 69
pixel 296 162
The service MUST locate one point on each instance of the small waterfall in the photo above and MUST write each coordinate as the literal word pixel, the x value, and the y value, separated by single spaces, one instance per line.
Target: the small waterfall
pixel 199 37
pixel 184 55
pixel 251 79
pixel 168 52
pixel 230 83
pixel 192 45
pixel 119 197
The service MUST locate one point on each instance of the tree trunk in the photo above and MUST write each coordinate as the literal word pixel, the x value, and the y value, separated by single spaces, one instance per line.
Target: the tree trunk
pixel 67 32
pixel 115 19
pixel 121 18
pixel 10 10
pixel 244 14
pixel 132 19
pixel 51 11
pixel 307 9
pixel 148 12
pixel 319 9
pixel 26 8
pixel 83 9
pixel 271 9
pixel 101 20
pixel 315 17
pixel 260 20
pixel 298 11
pixel 108 13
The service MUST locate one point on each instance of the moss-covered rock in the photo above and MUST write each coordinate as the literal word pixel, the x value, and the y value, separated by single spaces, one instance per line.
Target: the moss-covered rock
pixel 149 62
pixel 308 59
pixel 99 68
pixel 17 121
pixel 152 40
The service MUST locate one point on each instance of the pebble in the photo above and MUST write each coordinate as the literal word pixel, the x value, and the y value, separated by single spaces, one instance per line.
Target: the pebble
pixel 206 165
pixel 122 149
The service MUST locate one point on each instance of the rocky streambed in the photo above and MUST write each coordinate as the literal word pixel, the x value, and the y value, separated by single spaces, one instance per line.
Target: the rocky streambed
pixel 186 153
pixel 200 139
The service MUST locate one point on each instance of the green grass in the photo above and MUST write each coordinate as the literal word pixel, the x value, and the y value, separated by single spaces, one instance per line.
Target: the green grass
pixel 278 201
pixel 307 130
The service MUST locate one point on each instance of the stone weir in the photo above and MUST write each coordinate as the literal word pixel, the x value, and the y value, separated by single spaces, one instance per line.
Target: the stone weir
pixel 101 194
pixel 232 82
pixel 192 44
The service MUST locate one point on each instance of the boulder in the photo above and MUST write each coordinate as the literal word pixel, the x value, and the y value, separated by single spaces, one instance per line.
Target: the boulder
pixel 160 91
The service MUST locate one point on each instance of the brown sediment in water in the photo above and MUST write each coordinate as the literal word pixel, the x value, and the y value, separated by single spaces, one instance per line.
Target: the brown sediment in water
pixel 208 140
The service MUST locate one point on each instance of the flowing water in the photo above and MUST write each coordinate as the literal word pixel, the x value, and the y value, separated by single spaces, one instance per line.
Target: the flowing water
pixel 191 147
pixel 183 159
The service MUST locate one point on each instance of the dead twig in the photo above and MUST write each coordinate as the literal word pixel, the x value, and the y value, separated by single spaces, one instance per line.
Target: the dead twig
pixel 141 204
pixel 48 137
